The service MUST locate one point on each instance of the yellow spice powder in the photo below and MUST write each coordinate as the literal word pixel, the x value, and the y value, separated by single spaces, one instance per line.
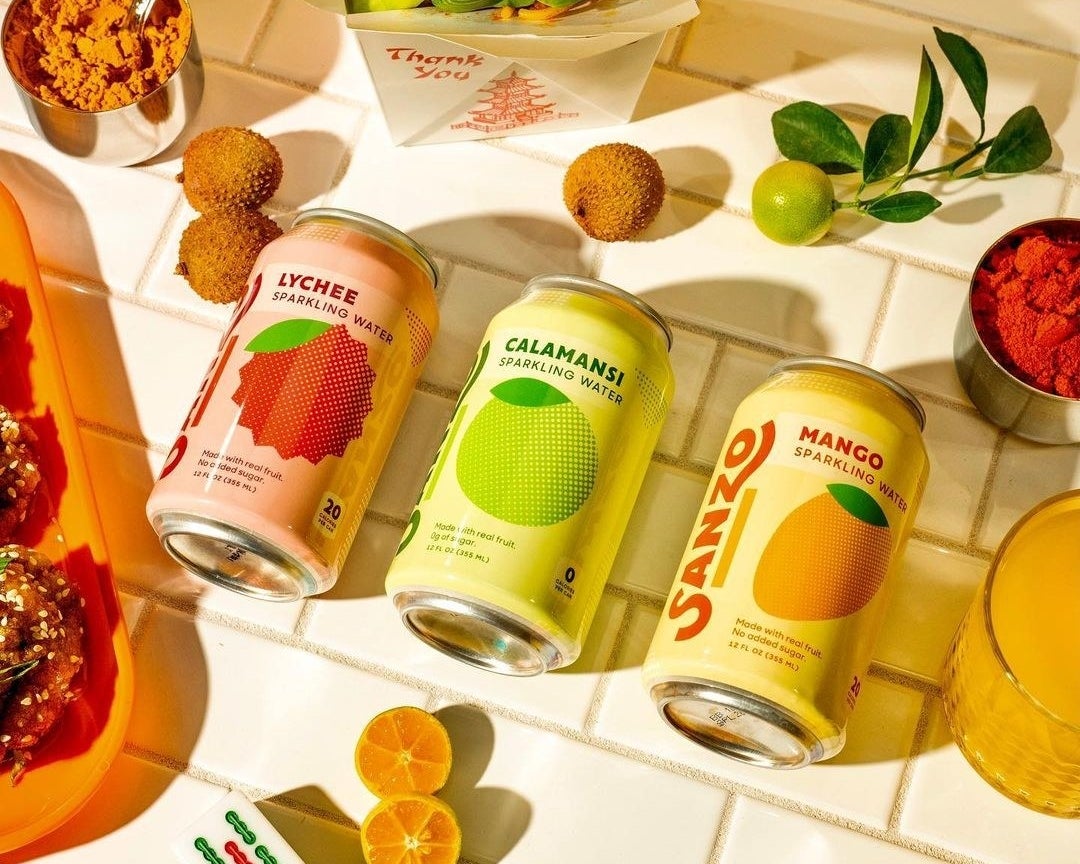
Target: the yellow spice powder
pixel 80 55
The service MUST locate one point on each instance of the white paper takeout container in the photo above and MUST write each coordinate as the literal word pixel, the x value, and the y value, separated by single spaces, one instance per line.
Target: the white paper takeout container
pixel 458 77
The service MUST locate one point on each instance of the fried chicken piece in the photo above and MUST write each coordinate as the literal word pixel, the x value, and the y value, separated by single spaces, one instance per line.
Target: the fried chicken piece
pixel 14 634
pixel 19 474
pixel 43 611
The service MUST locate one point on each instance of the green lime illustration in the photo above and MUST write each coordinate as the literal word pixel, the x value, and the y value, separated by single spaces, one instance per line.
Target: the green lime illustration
pixel 529 457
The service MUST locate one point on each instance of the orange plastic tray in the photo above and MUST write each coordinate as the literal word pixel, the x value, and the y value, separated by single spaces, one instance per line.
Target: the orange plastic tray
pixel 71 763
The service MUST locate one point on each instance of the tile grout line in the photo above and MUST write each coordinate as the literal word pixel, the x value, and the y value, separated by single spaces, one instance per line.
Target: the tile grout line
pixel 253 793
pixel 268 16
pixel 75 280
pixel 146 614
pixel 145 618
pixel 717 781
pixel 120 435
pixel 882 313
pixel 158 252
pixel 680 42
pixel 968 27
pixel 592 713
pixel 353 146
pixel 303 620
pixel 986 493
pixel 918 741
pixel 438 694
pixel 707 384
pixel 903 678
pixel 723 829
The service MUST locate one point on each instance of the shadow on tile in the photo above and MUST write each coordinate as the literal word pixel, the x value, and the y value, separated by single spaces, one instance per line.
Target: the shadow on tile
pixel 520 244
pixel 129 790
pixel 493 819
pixel 331 841
pixel 768 310
pixel 657 99
pixel 58 228
pixel 308 797
pixel 935 375
pixel 168 715
pixel 298 149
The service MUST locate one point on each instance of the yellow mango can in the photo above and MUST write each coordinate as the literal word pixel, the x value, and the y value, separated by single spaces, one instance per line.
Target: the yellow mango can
pixel 767 633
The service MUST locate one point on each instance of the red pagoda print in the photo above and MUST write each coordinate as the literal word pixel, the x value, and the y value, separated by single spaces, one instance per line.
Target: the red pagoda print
pixel 513 101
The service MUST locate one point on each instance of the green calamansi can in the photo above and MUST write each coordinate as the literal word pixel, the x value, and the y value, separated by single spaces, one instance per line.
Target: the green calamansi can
pixel 505 557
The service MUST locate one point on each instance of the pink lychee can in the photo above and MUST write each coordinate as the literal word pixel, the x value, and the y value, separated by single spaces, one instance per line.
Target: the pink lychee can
pixel 269 478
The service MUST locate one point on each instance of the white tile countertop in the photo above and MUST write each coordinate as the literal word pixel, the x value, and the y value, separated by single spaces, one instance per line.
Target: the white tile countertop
pixel 574 766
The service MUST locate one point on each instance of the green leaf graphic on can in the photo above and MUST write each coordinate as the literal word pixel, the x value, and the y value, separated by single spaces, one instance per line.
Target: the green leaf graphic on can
pixel 827 558
pixel 529 457
pixel 287 334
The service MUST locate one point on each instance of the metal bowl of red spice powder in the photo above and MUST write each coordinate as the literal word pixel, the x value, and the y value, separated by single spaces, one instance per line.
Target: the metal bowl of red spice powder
pixel 1017 343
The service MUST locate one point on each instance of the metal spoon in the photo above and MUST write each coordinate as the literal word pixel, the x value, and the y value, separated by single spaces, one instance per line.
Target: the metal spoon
pixel 138 13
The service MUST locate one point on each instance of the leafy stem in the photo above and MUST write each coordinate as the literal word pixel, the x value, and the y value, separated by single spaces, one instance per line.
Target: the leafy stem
pixel 949 168
pixel 810 132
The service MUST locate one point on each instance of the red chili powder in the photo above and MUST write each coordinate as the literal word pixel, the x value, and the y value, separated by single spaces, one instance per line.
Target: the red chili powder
pixel 1025 302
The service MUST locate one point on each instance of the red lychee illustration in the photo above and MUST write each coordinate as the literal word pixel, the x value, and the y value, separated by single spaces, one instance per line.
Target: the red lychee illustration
pixel 309 400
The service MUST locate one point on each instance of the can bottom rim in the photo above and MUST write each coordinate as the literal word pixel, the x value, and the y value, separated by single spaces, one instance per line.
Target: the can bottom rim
pixel 740 725
pixel 478 634
pixel 232 557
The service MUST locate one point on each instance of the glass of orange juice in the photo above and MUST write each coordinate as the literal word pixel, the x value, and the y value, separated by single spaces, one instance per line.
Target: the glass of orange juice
pixel 1012 678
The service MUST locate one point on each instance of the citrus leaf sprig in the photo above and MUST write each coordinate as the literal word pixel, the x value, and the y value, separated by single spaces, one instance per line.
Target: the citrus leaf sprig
pixel 809 132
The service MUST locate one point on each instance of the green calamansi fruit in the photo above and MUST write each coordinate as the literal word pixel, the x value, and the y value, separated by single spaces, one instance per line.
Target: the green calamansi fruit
pixel 792 203
pixel 529 457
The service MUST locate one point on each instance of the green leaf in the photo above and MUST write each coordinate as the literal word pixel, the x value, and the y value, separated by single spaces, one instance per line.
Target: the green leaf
pixel 970 67
pixel 903 207
pixel 808 132
pixel 1022 144
pixel 287 334
pixel 858 503
pixel 927 114
pixel 528 393
pixel 886 147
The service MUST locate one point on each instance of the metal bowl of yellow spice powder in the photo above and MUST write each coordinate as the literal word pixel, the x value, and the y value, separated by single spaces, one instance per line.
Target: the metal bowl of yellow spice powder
pixel 96 89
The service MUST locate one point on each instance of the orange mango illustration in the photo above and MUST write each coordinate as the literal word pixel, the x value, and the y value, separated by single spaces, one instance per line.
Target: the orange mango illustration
pixel 827 559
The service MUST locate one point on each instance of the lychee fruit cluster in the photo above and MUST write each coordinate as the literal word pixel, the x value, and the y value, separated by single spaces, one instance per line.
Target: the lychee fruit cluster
pixel 228 174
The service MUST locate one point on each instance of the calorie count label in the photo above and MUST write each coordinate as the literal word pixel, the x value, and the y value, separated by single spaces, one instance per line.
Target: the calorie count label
pixel 328 518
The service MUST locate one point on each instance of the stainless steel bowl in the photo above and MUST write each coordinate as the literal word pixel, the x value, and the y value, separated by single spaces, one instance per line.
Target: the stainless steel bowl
pixel 121 136
pixel 999 395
